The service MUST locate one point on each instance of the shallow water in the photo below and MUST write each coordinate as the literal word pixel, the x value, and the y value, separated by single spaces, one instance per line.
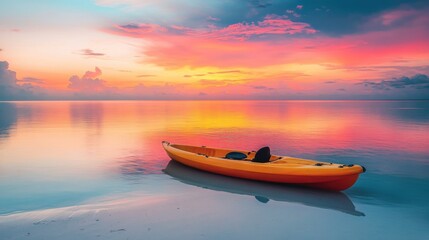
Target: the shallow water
pixel 60 154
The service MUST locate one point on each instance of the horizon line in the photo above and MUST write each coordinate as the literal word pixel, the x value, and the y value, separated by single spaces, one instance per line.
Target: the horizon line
pixel 165 100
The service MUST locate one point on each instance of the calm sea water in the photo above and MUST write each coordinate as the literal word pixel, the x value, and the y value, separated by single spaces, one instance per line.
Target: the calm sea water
pixel 57 154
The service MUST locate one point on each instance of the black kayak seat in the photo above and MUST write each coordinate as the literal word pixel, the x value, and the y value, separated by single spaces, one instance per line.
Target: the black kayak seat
pixel 236 155
pixel 263 155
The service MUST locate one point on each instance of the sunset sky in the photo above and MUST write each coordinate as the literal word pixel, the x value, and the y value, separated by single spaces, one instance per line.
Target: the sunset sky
pixel 191 49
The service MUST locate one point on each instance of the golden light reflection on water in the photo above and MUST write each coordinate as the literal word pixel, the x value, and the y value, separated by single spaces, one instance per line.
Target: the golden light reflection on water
pixel 68 125
pixel 87 135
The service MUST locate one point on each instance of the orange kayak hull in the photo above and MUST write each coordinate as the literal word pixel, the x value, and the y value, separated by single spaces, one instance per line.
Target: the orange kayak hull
pixel 280 169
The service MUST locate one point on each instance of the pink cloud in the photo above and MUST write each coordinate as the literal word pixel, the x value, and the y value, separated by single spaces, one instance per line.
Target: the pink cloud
pixel 194 52
pixel 383 44
pixel 140 29
pixel 272 24
pixel 90 53
pixel 299 7
pixel 90 74
pixel 87 84
pixel 391 17
pixel 252 45
pixel 178 46
pixel 90 84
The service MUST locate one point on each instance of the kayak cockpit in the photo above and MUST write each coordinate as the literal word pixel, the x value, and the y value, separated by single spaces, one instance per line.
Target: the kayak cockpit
pixel 263 155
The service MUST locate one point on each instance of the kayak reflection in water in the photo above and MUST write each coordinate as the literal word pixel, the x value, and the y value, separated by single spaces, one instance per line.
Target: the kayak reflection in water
pixel 263 192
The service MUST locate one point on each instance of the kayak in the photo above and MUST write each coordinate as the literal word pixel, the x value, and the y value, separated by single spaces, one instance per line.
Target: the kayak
pixel 262 166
